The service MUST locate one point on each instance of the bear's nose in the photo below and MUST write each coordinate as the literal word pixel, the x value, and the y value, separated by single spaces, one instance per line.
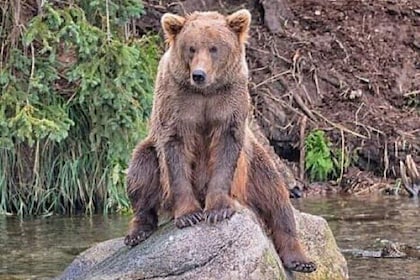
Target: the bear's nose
pixel 198 76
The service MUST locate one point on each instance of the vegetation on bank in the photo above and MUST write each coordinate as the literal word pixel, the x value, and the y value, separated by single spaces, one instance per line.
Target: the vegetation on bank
pixel 75 94
pixel 322 162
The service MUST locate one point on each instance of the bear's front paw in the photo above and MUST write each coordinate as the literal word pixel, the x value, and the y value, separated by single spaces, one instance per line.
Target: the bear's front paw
pixel 189 220
pixel 134 239
pixel 217 215
pixel 304 267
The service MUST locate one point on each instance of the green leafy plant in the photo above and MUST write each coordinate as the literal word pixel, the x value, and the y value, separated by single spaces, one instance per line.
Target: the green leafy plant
pixel 319 158
pixel 76 92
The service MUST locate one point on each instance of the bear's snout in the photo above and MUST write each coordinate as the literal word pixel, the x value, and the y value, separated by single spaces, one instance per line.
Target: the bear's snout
pixel 199 76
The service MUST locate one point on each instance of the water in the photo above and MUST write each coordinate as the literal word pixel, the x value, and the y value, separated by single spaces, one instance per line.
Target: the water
pixel 41 248
pixel 358 222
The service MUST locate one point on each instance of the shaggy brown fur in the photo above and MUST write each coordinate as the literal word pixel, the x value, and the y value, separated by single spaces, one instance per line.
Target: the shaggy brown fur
pixel 200 154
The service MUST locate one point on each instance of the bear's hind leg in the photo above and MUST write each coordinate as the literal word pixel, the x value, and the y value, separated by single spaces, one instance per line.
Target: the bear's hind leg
pixel 142 226
pixel 267 195
pixel 144 191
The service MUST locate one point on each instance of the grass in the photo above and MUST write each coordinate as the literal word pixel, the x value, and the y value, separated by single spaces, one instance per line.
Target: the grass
pixel 70 119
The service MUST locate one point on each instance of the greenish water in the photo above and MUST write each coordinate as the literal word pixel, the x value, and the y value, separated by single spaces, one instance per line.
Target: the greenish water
pixel 357 222
pixel 41 248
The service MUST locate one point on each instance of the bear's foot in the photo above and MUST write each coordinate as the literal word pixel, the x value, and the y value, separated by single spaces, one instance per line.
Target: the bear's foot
pixel 217 215
pixel 304 267
pixel 291 252
pixel 143 224
pixel 189 220
pixel 137 237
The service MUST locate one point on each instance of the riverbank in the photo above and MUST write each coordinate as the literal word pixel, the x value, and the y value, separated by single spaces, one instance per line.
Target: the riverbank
pixel 348 69
pixel 334 85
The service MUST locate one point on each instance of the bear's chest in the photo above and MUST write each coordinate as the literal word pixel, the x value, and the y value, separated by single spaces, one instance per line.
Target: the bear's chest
pixel 204 113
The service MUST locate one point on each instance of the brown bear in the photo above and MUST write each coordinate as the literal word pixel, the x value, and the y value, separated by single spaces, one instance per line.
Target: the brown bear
pixel 200 154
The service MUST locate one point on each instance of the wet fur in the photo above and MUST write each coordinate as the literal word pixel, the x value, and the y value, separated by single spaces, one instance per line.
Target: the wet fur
pixel 200 154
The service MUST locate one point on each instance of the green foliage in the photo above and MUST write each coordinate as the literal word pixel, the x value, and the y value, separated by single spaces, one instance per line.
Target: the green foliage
pixel 120 11
pixel 75 98
pixel 319 158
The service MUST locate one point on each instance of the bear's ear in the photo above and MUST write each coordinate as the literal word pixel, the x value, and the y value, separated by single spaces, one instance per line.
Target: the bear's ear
pixel 239 22
pixel 172 25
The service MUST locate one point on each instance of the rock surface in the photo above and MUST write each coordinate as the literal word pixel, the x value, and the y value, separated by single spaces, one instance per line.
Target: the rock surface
pixel 320 244
pixel 234 249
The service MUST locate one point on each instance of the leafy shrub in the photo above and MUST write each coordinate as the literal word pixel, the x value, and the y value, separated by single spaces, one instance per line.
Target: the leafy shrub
pixel 319 158
pixel 76 92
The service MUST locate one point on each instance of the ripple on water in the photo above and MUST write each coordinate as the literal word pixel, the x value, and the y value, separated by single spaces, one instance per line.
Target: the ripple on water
pixel 358 222
pixel 41 248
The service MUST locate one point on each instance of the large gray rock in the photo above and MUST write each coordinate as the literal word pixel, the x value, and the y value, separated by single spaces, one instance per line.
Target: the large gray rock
pixel 320 244
pixel 234 249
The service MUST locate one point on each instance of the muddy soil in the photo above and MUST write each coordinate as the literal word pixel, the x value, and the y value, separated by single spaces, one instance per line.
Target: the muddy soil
pixel 351 68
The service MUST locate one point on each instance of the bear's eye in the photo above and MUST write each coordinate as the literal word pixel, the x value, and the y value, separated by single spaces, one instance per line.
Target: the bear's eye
pixel 213 49
pixel 192 50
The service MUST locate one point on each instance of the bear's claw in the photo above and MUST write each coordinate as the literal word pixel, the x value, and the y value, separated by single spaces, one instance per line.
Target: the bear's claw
pixel 306 267
pixel 214 216
pixel 132 240
pixel 189 220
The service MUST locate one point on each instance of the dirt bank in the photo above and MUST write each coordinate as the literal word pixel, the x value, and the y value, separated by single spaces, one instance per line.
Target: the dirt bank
pixel 351 68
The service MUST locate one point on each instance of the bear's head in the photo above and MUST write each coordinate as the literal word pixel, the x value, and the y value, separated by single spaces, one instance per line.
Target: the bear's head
pixel 207 49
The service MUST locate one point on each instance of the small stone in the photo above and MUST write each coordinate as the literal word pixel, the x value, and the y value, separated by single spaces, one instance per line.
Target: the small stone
pixel 355 94
pixel 317 12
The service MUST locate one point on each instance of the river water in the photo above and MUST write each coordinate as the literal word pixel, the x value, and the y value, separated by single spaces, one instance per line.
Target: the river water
pixel 358 223
pixel 41 248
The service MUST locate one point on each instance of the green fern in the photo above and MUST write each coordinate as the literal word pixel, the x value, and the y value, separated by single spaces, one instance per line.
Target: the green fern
pixel 319 159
